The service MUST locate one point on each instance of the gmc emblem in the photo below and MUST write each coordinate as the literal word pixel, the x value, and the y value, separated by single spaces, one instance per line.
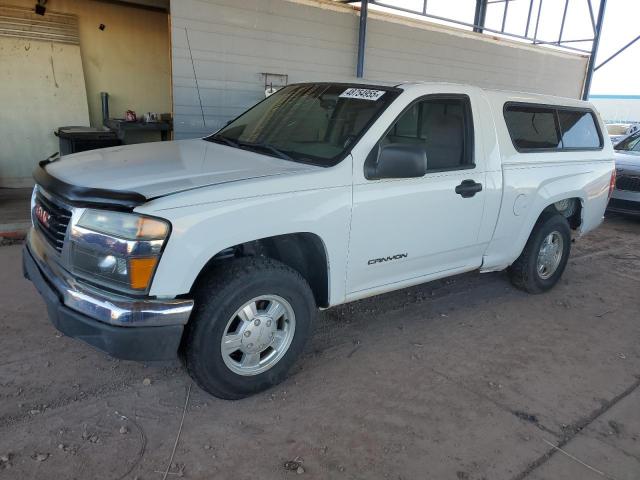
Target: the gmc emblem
pixel 42 215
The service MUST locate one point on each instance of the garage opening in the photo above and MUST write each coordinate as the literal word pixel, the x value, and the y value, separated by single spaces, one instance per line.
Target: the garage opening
pixel 62 60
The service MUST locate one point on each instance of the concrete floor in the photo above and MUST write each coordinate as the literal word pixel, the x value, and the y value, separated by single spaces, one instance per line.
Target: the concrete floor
pixel 466 378
pixel 14 211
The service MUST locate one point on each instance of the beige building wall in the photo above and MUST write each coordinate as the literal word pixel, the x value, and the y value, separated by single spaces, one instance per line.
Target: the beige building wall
pixel 130 58
pixel 41 86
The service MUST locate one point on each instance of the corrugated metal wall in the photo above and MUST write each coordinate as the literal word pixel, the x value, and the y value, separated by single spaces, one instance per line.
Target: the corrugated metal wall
pixel 228 44
pixel 23 23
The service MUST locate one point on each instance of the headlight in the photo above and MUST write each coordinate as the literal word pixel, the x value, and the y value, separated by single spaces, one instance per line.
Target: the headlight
pixel 117 250
pixel 124 225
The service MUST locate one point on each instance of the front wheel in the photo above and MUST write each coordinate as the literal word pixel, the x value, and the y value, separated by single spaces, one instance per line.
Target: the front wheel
pixel 251 320
pixel 545 256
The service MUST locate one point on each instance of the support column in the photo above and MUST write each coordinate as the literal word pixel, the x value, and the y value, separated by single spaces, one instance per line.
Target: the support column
pixel 481 13
pixel 594 50
pixel 362 37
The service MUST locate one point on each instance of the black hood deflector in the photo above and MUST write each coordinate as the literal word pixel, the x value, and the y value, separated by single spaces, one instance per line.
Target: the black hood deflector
pixel 86 197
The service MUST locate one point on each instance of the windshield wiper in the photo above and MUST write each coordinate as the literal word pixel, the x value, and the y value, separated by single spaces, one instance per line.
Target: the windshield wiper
pixel 250 145
pixel 223 139
pixel 269 147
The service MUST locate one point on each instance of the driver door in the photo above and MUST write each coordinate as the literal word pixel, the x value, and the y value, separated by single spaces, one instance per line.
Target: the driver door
pixel 408 230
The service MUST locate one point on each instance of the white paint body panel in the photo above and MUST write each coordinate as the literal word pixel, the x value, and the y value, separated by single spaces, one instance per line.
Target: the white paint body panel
pixel 208 220
pixel 162 168
pixel 533 181
pixel 414 215
pixel 216 197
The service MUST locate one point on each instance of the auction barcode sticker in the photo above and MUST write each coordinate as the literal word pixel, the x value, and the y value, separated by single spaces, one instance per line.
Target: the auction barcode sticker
pixel 362 94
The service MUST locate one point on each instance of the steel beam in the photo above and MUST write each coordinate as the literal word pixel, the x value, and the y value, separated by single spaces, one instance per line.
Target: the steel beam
pixel 466 24
pixel 480 16
pixel 617 53
pixel 564 17
pixel 535 33
pixel 594 50
pixel 593 20
pixel 504 14
pixel 362 37
pixel 478 24
pixel 526 31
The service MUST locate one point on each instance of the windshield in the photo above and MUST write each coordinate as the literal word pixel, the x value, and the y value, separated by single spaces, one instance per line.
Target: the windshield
pixel 310 123
pixel 631 143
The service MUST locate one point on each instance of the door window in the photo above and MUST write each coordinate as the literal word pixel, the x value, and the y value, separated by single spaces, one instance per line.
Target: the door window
pixel 443 125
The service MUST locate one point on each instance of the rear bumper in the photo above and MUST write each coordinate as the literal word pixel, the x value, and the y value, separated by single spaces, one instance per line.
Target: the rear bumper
pixel 128 343
pixel 626 207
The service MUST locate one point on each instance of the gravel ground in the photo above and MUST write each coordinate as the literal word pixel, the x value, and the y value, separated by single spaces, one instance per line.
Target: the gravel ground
pixel 466 378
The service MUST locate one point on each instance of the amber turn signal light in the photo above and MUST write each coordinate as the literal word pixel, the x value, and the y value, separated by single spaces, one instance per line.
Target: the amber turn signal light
pixel 141 271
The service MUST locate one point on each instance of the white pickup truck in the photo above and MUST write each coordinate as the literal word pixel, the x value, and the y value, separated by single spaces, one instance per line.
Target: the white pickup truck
pixel 220 250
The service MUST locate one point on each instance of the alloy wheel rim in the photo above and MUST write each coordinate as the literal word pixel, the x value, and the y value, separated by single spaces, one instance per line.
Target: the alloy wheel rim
pixel 258 335
pixel 549 255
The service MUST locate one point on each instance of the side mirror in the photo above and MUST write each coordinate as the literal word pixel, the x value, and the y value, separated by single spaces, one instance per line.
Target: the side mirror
pixel 396 160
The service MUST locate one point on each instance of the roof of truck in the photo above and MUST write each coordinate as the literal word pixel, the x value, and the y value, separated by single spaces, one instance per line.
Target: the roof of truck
pixel 504 95
pixel 497 95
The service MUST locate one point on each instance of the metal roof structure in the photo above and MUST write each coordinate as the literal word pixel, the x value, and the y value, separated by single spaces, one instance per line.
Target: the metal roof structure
pixel 530 34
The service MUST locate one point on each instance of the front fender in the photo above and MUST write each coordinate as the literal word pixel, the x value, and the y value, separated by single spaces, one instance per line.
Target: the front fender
pixel 201 231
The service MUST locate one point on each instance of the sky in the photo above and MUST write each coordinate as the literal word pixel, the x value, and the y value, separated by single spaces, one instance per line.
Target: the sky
pixel 621 25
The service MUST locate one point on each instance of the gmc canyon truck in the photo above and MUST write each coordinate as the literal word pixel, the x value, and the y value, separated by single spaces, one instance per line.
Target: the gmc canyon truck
pixel 220 250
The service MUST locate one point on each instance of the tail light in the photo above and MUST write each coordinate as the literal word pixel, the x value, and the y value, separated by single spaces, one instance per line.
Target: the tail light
pixel 612 183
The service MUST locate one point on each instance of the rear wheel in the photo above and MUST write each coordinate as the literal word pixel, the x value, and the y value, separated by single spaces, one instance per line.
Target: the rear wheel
pixel 545 256
pixel 251 320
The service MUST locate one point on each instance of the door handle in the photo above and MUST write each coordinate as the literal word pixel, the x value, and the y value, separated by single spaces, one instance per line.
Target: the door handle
pixel 468 188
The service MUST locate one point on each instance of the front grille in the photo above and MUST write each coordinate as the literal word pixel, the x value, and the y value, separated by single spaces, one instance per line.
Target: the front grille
pixel 625 182
pixel 51 219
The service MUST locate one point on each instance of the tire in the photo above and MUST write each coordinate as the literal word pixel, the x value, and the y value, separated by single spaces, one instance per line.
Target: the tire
pixel 219 296
pixel 526 273
pixel 567 208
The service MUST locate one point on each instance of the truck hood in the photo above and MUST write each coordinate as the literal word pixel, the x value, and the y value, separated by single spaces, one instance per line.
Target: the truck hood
pixel 158 169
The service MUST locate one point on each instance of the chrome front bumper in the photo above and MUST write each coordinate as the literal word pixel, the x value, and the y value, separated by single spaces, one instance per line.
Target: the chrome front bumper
pixel 103 306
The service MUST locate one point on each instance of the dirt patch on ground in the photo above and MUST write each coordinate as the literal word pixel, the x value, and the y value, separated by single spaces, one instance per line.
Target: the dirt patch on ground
pixel 465 378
